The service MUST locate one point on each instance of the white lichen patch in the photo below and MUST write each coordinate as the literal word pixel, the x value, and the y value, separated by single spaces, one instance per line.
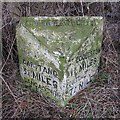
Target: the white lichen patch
pixel 35 48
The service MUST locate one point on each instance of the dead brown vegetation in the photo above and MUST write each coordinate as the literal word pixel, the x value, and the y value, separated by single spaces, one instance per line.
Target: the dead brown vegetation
pixel 100 100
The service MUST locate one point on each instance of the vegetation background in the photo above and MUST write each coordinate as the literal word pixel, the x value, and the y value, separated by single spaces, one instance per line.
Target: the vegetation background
pixel 100 100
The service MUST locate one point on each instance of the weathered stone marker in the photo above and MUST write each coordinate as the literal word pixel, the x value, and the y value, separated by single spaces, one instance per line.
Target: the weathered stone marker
pixel 59 56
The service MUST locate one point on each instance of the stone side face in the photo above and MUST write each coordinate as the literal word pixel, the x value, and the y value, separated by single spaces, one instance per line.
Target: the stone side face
pixel 59 56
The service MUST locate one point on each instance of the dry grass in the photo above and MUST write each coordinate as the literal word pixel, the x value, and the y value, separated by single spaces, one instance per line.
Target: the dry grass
pixel 100 100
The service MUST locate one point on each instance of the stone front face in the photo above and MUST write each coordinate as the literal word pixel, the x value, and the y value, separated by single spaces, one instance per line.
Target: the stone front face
pixel 59 56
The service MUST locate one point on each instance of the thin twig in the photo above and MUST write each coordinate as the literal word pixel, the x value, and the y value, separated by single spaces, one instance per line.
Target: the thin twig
pixel 8 56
